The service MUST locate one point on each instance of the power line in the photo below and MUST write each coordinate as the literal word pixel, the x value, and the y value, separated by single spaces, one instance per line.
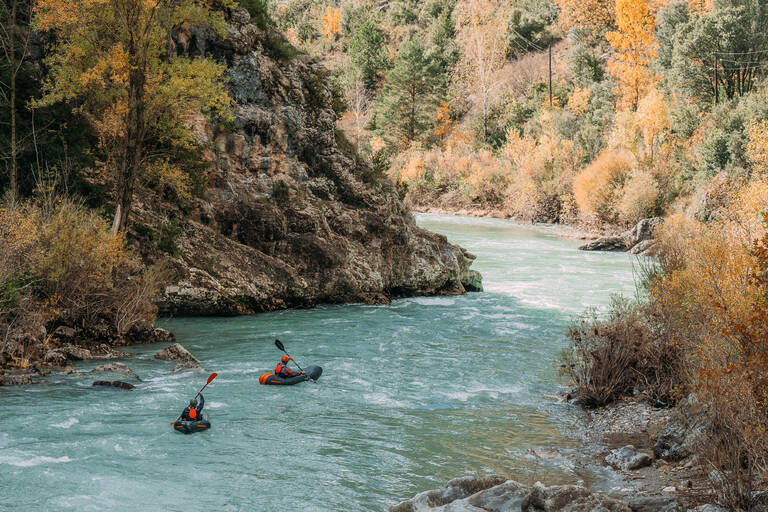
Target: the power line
pixel 741 53
pixel 530 42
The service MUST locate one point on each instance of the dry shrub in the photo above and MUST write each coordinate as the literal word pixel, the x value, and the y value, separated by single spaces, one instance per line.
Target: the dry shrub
pixel 639 197
pixel 606 353
pixel 757 145
pixel 597 188
pixel 621 353
pixel 60 265
pixel 77 258
pixel 712 292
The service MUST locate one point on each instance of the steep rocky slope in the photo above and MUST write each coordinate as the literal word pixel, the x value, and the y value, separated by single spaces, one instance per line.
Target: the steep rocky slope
pixel 290 217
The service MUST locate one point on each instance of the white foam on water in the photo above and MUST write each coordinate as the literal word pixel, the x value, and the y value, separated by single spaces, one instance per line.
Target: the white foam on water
pixel 214 405
pixel 66 424
pixel 383 399
pixel 434 301
pixel 23 462
pixel 118 448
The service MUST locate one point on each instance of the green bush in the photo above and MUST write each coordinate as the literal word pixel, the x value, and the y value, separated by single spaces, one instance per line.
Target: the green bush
pixel 166 240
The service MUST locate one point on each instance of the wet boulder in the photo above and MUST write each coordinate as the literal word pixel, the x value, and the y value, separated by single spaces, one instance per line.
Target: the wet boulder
pixel 495 494
pixel 472 281
pixel 573 498
pixel 104 351
pixel 187 366
pixel 75 353
pixel 113 384
pixel 116 368
pixel 15 378
pixel 606 243
pixel 628 458
pixel 176 353
pixel 56 357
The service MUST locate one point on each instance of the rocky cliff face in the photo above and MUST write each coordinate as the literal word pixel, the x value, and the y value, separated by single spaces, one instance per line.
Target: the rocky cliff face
pixel 290 216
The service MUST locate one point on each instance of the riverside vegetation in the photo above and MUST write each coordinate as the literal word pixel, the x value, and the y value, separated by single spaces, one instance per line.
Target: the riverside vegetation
pixel 185 158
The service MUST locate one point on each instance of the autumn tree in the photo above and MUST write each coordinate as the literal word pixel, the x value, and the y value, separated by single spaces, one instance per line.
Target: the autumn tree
pixel 594 16
pixel 635 46
pixel 444 122
pixel 15 33
pixel 331 23
pixel 405 108
pixel 652 119
pixel 111 58
pixel 482 37
pixel 359 100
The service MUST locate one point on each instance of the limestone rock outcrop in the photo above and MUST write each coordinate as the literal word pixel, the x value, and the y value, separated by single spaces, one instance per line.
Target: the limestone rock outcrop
pixel 290 216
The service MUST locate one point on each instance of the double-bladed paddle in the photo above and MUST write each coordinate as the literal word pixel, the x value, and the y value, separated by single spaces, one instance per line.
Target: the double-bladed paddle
pixel 280 346
pixel 210 379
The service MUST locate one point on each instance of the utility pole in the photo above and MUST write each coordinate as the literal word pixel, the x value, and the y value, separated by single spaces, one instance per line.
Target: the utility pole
pixel 550 75
pixel 717 95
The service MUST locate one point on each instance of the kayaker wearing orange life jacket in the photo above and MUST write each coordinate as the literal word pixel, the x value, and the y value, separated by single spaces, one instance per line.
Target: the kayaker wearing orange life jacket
pixel 194 412
pixel 282 369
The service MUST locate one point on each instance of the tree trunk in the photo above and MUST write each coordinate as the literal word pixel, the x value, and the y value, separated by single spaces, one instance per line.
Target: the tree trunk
pixel 14 145
pixel 132 156
pixel 12 30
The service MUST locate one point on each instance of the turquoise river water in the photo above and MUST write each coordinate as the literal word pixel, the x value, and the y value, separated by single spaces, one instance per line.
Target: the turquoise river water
pixel 413 394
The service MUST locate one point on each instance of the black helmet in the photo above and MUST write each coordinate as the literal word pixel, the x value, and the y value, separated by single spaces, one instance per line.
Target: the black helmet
pixel 193 403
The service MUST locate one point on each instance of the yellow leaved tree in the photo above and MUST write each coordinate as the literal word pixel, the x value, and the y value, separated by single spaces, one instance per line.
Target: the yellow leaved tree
pixel 331 23
pixel 111 58
pixel 635 46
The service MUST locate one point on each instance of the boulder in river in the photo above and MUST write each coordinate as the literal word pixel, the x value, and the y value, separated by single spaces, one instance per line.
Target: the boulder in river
pixel 606 243
pixel 472 281
pixel 76 353
pixel 116 368
pixel 638 240
pixel 187 366
pixel 104 351
pixel 496 494
pixel 114 384
pixel 55 357
pixel 628 458
pixel 176 353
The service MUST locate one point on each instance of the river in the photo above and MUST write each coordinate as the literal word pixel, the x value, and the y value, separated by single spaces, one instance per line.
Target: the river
pixel 412 394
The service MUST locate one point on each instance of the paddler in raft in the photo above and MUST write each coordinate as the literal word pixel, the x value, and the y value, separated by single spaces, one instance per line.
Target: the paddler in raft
pixel 194 412
pixel 282 369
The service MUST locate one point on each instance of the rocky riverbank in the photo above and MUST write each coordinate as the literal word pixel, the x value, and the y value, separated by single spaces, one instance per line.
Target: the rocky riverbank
pixel 652 449
pixel 636 240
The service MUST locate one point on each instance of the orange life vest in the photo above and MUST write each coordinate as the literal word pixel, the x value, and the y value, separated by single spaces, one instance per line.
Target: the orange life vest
pixel 279 370
pixel 193 413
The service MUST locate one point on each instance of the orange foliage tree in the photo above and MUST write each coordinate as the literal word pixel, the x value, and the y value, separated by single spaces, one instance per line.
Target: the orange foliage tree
pixel 444 123
pixel 635 46
pixel 331 23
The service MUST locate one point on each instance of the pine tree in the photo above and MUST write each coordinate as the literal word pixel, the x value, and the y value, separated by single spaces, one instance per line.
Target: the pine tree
pixel 406 106
pixel 366 49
